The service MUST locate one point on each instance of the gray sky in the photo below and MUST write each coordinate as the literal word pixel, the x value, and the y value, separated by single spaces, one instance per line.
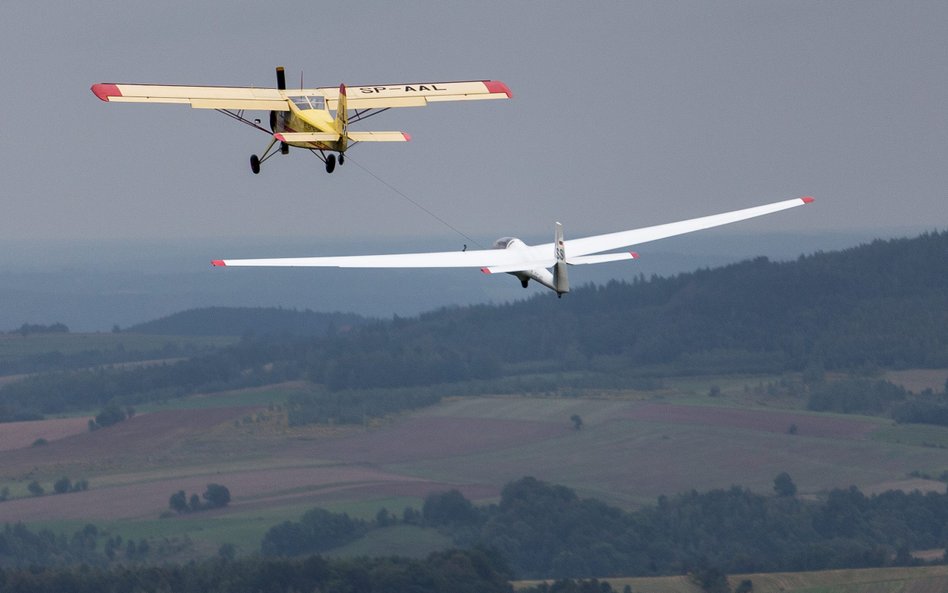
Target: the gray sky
pixel 624 114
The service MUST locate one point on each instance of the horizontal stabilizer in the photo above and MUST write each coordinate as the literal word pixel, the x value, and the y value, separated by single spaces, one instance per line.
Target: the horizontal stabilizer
pixel 291 137
pixel 378 136
pixel 601 259
pixel 519 267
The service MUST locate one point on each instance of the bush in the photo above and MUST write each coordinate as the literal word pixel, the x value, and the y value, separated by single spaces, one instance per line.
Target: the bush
pixel 217 496
pixel 62 485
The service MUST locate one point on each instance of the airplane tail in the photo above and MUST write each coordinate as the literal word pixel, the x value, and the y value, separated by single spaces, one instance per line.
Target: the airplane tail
pixel 342 119
pixel 560 277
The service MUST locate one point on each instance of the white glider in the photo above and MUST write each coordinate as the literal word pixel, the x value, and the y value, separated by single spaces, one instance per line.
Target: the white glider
pixel 546 263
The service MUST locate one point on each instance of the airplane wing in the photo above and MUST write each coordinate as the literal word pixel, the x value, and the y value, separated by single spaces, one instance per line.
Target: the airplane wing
pixel 528 257
pixel 515 259
pixel 378 96
pixel 414 94
pixel 599 243
pixel 200 97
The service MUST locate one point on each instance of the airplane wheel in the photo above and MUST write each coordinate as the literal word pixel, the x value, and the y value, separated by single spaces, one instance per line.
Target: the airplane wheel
pixel 342 158
pixel 330 163
pixel 284 148
pixel 523 283
pixel 254 164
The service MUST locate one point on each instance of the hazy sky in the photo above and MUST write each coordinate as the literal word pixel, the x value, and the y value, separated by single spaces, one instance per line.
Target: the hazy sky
pixel 624 114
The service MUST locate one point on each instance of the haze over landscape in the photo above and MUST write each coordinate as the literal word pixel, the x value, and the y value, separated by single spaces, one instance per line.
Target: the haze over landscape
pixel 623 116
pixel 759 407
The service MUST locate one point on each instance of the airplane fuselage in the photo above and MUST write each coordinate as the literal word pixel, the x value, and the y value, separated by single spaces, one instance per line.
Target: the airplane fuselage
pixel 542 276
pixel 313 116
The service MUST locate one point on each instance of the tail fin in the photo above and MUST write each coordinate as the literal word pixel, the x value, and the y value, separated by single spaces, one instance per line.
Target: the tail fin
pixel 342 119
pixel 560 277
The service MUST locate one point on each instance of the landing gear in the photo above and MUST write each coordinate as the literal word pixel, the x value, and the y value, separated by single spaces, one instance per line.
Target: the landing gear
pixel 256 161
pixel 331 163
pixel 342 158
pixel 524 282
pixel 284 148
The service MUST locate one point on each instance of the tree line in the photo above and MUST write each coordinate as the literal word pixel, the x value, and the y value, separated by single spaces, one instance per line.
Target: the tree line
pixel 547 531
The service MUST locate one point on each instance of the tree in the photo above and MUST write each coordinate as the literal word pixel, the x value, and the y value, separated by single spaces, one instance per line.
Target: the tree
pixel 178 502
pixel 784 486
pixel 577 421
pixel 194 503
pixel 35 488
pixel 62 485
pixel 217 496
pixel 443 508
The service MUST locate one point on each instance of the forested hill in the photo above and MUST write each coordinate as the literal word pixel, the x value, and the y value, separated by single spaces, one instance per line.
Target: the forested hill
pixel 243 321
pixel 883 304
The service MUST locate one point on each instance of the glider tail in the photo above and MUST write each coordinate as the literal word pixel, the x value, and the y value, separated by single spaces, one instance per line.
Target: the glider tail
pixel 342 119
pixel 560 277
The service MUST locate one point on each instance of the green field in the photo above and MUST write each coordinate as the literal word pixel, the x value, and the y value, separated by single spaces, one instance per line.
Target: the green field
pixel 14 346
pixel 633 447
pixel 927 579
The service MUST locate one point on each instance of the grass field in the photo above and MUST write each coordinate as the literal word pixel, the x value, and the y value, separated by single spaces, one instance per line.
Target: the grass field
pixel 633 447
pixel 14 346
pixel 928 579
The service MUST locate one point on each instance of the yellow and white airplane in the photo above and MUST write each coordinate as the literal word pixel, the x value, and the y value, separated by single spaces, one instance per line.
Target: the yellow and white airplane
pixel 529 262
pixel 303 117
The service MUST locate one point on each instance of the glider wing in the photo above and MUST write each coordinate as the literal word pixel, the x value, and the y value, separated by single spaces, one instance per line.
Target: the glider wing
pixel 517 259
pixel 600 243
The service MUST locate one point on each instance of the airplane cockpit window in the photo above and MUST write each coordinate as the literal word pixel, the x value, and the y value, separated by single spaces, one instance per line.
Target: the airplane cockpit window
pixel 310 102
pixel 502 243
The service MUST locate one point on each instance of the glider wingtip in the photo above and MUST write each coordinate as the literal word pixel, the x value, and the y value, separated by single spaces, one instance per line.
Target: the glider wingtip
pixel 407 136
pixel 485 270
pixel 807 199
pixel 104 90
pixel 218 263
pixel 634 254
pixel 280 137
pixel 495 87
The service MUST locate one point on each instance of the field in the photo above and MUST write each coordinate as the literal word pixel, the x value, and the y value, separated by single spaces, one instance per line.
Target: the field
pixel 14 346
pixel 929 579
pixel 632 447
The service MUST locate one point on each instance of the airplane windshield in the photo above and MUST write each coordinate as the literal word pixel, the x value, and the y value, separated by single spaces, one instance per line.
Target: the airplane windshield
pixel 502 243
pixel 311 102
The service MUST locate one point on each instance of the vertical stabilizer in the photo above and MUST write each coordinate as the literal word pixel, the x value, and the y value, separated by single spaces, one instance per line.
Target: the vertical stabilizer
pixel 560 277
pixel 342 119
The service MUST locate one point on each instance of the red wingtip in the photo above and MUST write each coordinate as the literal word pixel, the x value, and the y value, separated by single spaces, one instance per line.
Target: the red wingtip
pixel 497 87
pixel 280 137
pixel 407 136
pixel 104 90
pixel 485 270
pixel 634 255
pixel 218 263
pixel 807 199
pixel 342 89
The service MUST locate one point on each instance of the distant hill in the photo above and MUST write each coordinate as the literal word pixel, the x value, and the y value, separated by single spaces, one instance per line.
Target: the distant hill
pixel 879 305
pixel 883 305
pixel 244 321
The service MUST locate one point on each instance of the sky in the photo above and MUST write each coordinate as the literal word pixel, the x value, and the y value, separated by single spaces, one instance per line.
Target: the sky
pixel 624 114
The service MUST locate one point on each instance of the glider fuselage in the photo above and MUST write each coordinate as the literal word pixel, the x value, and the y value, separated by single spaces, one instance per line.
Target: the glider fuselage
pixel 542 276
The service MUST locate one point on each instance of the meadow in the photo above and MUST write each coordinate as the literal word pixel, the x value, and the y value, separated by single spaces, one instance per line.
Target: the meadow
pixel 632 447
